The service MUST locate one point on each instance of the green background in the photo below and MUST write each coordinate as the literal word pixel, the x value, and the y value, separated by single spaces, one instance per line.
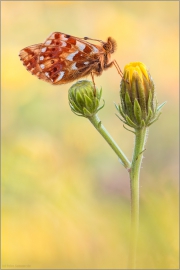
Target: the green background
pixel 65 196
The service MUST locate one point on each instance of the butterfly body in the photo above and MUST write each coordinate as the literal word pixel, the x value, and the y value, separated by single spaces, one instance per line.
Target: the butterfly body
pixel 63 58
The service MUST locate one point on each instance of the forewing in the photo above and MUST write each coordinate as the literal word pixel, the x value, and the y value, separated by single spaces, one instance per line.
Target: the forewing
pixel 61 58
pixel 64 58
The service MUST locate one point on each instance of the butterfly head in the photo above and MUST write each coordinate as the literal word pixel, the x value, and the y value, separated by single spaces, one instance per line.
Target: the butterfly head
pixel 110 45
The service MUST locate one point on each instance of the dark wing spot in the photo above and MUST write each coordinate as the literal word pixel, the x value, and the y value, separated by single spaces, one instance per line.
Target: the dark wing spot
pixel 87 49
pixel 79 57
pixel 57 35
pixel 68 45
pixel 81 65
pixel 72 40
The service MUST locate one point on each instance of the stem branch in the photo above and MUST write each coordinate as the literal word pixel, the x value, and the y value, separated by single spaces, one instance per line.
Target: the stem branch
pixel 101 129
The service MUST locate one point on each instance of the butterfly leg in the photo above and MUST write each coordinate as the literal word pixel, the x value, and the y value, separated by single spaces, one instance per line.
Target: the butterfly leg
pixel 92 76
pixel 116 66
pixel 118 69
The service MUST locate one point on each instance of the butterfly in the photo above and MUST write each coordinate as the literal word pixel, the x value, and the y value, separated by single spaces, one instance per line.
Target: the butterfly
pixel 64 58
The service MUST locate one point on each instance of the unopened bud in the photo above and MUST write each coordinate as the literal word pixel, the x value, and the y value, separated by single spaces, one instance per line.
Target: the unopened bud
pixel 84 99
pixel 138 101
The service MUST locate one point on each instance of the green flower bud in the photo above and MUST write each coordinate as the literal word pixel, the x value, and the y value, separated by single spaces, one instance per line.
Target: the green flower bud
pixel 138 101
pixel 84 99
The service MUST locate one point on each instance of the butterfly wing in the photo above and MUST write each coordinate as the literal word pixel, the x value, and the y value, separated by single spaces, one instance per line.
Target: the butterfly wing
pixel 61 58
pixel 30 58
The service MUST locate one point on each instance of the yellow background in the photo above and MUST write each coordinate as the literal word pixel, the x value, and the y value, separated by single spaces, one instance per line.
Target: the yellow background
pixel 65 196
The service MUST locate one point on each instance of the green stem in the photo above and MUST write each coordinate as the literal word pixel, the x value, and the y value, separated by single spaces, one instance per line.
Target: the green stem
pixel 140 139
pixel 101 129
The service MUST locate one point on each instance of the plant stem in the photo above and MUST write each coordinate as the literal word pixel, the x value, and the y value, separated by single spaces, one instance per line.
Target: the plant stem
pixel 101 129
pixel 140 139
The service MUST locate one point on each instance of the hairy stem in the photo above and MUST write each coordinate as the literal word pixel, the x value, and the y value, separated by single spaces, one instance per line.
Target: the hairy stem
pixel 134 172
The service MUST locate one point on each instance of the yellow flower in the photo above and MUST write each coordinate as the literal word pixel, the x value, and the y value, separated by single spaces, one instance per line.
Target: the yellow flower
pixel 138 102
pixel 138 67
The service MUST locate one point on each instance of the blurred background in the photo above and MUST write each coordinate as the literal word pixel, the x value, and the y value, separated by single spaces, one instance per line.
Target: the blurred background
pixel 66 199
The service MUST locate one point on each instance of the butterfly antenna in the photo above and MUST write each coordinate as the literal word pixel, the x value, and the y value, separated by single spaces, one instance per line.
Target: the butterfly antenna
pixel 86 38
